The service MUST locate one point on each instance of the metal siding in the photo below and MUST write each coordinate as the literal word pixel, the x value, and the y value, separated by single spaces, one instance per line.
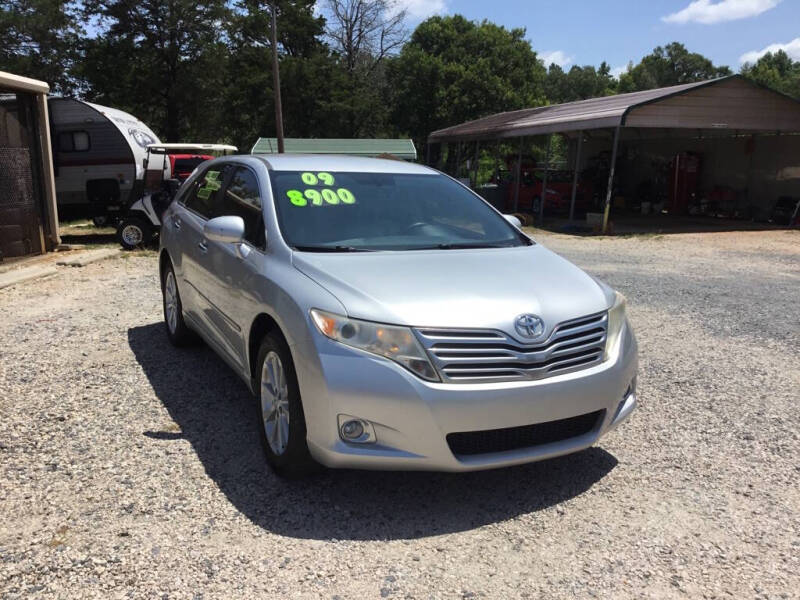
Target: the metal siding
pixel 734 103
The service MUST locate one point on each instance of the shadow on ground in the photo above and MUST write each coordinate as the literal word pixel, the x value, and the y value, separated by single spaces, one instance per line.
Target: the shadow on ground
pixel 89 238
pixel 216 414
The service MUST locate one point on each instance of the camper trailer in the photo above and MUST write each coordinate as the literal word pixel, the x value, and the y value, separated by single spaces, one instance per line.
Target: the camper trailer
pixel 98 156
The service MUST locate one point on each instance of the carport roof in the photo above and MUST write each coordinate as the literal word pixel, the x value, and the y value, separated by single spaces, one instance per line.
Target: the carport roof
pixel 726 103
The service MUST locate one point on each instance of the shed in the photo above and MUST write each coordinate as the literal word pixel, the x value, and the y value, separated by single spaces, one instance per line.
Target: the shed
pixel 400 148
pixel 713 126
pixel 28 214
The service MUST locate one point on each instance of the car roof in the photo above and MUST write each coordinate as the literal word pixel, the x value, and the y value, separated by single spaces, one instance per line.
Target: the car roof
pixel 341 163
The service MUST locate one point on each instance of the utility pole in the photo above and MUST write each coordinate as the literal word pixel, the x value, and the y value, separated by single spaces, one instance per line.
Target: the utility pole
pixel 276 81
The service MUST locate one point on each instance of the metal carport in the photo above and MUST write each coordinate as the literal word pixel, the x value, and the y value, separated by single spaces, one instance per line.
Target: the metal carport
pixel 729 106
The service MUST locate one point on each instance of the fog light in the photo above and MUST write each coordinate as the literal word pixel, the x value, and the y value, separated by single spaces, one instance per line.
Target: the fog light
pixel 352 430
pixel 356 431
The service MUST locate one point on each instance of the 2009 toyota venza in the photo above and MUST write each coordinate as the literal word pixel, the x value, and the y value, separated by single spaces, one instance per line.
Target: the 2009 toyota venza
pixel 389 318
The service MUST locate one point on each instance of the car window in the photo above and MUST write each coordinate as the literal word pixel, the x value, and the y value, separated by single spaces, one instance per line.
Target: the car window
pixel 385 211
pixel 242 199
pixel 203 197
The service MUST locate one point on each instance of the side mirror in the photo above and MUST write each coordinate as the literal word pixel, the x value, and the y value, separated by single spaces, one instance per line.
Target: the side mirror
pixel 513 220
pixel 228 230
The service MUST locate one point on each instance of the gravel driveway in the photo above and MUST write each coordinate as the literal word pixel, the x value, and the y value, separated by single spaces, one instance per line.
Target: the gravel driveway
pixel 131 469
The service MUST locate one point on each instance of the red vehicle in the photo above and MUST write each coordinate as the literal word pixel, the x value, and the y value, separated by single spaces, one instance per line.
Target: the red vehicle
pixel 182 165
pixel 559 190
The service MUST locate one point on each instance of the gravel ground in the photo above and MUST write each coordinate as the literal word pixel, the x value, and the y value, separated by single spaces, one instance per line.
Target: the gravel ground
pixel 130 469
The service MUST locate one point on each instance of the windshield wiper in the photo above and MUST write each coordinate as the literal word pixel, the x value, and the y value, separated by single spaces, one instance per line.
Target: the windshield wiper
pixel 331 249
pixel 461 246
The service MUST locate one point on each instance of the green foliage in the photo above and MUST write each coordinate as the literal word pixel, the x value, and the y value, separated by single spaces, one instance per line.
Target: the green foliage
pixel 40 39
pixel 307 71
pixel 669 65
pixel 454 70
pixel 777 71
pixel 162 61
pixel 579 83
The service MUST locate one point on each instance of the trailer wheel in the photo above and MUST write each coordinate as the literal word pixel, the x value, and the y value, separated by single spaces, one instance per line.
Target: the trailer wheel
pixel 133 233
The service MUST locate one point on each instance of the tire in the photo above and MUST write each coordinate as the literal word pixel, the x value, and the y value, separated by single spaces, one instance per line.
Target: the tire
pixel 133 232
pixel 178 332
pixel 100 221
pixel 281 421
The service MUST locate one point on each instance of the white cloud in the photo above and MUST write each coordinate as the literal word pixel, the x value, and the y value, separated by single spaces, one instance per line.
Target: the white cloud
pixel 791 48
pixel 558 57
pixel 617 71
pixel 708 12
pixel 420 9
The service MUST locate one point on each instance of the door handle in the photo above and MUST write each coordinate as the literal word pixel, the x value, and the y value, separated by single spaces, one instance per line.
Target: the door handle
pixel 176 223
pixel 203 246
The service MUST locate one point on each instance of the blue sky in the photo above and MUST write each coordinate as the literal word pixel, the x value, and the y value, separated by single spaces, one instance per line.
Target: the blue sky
pixel 589 31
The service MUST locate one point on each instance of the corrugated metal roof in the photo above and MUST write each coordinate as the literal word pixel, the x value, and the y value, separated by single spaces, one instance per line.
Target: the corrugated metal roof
pixel 594 113
pixel 401 148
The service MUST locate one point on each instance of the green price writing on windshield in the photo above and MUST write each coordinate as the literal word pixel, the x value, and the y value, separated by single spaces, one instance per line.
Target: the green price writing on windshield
pixel 318 198
pixel 317 178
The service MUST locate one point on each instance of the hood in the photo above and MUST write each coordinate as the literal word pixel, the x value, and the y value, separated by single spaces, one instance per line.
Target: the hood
pixel 482 288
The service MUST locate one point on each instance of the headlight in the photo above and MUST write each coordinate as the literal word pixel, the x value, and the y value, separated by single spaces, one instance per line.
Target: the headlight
pixel 395 343
pixel 616 320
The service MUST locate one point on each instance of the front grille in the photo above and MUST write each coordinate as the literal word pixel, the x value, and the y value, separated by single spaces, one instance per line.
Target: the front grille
pixel 526 436
pixel 481 355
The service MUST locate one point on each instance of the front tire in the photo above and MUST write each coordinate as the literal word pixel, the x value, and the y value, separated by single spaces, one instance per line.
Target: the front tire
pixel 282 423
pixel 133 233
pixel 178 332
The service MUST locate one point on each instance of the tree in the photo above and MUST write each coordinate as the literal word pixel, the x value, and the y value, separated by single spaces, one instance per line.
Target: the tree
pixel 579 83
pixel 777 71
pixel 41 39
pixel 669 65
pixel 163 61
pixel 453 70
pixel 362 34
pixel 310 76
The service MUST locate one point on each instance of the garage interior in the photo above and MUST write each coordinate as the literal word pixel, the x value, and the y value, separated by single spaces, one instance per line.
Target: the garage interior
pixel 719 154
pixel 28 214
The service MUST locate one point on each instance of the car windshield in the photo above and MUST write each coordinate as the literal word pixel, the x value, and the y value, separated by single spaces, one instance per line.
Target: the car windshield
pixel 351 212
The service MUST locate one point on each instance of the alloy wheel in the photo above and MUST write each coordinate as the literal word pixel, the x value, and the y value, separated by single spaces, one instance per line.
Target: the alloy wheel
pixel 171 301
pixel 275 403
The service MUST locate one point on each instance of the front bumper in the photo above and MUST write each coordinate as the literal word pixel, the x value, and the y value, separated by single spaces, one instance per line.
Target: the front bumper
pixel 412 418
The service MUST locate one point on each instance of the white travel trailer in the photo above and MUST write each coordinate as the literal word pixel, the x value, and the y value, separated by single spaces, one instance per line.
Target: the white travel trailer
pixel 99 155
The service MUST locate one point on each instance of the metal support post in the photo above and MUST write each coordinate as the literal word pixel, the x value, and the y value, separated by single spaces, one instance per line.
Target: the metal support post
pixel 610 179
pixel 518 176
pixel 475 166
pixel 576 166
pixel 544 181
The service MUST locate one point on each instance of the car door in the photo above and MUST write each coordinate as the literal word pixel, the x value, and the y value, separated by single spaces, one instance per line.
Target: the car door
pixel 195 208
pixel 233 269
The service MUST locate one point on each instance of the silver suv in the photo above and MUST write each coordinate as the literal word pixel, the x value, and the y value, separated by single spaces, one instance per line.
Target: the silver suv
pixel 389 318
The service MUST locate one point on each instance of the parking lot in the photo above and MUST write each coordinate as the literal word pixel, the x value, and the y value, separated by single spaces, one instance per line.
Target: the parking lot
pixel 131 469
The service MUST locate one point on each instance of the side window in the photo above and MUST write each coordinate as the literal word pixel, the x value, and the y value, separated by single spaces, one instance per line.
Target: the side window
pixel 203 198
pixel 73 141
pixel 242 199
